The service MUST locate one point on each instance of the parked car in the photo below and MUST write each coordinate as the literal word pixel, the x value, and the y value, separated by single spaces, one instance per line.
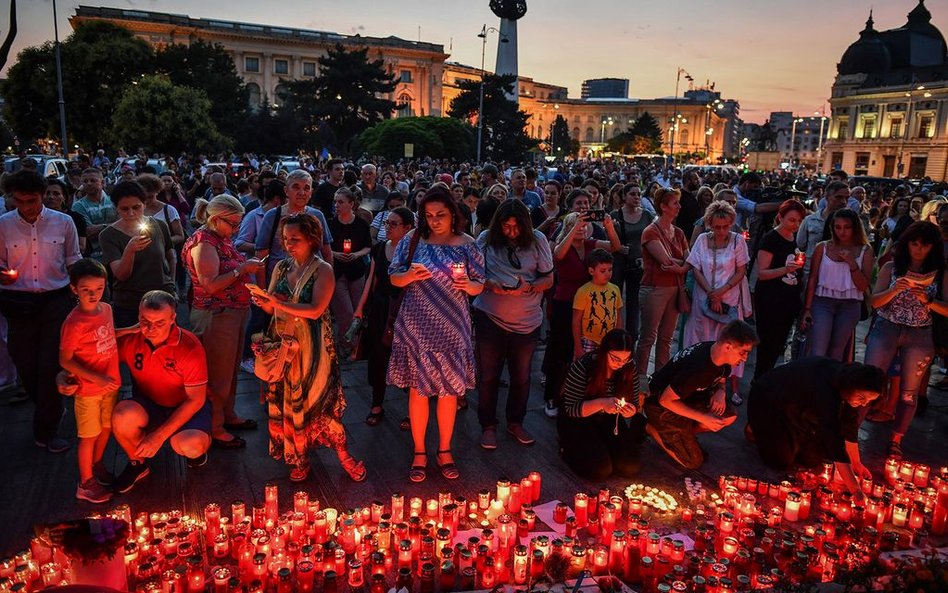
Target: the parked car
pixel 120 163
pixel 46 165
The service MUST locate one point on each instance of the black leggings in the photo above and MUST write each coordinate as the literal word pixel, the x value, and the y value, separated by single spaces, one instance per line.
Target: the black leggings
pixel 559 349
pixel 591 449
pixel 774 321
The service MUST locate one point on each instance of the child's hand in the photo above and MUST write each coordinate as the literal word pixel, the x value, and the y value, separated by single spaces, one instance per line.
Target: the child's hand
pixel 66 384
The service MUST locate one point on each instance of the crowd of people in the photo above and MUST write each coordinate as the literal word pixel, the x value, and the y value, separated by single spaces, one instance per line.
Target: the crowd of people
pixel 440 275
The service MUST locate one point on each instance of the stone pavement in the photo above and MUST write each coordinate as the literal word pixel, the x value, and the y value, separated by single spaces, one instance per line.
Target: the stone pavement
pixel 39 487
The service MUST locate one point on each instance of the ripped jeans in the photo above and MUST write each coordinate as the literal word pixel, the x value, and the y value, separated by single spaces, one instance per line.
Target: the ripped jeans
pixel 916 350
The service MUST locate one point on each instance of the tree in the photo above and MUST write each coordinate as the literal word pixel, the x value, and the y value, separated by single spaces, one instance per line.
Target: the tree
pixel 210 68
pixel 561 143
pixel 504 130
pixel 435 137
pixel 346 98
pixel 644 137
pixel 162 117
pixel 30 93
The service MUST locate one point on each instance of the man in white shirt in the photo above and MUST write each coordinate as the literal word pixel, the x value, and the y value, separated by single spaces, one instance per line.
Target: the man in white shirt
pixel 36 246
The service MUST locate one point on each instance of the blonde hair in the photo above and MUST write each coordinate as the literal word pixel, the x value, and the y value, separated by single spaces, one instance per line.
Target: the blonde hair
pixel 221 205
pixel 568 223
pixel 719 209
pixel 931 207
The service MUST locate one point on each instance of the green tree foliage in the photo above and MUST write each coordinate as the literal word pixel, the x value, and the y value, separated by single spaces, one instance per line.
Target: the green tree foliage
pixel 435 137
pixel 99 62
pixel 644 137
pixel 504 134
pixel 346 98
pixel 162 117
pixel 210 68
pixel 561 142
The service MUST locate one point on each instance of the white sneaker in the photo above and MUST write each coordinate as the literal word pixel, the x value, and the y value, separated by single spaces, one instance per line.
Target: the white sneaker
pixel 247 365
pixel 550 409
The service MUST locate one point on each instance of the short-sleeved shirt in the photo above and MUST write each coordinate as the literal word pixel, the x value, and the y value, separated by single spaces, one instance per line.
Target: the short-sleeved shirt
pixel 356 231
pixel 520 313
pixel 689 372
pixel 150 270
pixel 571 273
pixel 161 374
pixel 654 274
pixel 101 212
pixel 802 393
pixel 322 197
pixel 600 306
pixel 776 290
pixel 269 238
pixel 91 337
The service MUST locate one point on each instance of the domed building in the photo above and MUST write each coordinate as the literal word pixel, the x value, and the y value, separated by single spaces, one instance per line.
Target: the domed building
pixel 890 102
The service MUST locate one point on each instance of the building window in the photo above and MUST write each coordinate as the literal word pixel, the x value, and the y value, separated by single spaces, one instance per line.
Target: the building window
pixel 281 67
pixel 589 134
pixel 895 128
pixel 309 68
pixel 253 95
pixel 575 133
pixel 404 105
pixel 405 76
pixel 869 127
pixel 843 132
pixel 836 161
pixel 926 126
pixel 862 163
pixel 252 64
pixel 281 94
pixel 576 119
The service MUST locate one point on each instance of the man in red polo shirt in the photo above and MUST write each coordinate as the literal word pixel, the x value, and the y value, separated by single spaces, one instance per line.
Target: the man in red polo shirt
pixel 169 371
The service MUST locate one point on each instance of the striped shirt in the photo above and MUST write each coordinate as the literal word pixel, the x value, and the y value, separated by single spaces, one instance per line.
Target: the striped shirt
pixel 577 383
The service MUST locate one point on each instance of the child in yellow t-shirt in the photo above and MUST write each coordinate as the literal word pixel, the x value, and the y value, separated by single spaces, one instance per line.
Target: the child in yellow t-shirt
pixel 597 306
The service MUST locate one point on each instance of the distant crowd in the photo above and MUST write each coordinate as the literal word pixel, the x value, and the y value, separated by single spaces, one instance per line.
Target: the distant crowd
pixel 440 275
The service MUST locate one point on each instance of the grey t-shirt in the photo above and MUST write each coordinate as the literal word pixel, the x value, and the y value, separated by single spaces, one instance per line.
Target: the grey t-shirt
pixel 520 313
pixel 150 270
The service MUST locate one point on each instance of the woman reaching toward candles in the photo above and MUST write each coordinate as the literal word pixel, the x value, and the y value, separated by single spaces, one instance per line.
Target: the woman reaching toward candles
pixel 808 411
pixel 433 350
pixel 600 429
pixel 306 406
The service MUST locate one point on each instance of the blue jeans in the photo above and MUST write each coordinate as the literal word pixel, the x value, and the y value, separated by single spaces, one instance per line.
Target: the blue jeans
pixel 495 346
pixel 916 350
pixel 834 321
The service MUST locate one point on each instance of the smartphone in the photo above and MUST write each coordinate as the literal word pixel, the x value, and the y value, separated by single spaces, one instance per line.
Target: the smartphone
pixel 596 215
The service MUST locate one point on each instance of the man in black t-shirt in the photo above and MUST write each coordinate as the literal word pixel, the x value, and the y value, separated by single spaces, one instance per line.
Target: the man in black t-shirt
pixel 326 191
pixel 808 411
pixel 687 394
pixel 690 211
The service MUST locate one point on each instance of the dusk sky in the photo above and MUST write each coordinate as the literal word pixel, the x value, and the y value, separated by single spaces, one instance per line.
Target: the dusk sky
pixel 769 55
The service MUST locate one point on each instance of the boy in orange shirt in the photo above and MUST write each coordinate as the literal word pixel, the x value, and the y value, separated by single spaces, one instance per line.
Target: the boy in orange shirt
pixel 597 306
pixel 88 352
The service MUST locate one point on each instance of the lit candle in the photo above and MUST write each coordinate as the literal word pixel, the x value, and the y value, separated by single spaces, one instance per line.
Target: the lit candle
pixel 143 229
pixel 347 246
pixel 513 503
pixel 398 507
pixel 432 508
pixel 906 471
pixel 503 484
pixel 917 517
pixel 10 274
pixel 686 514
pixel 899 515
pixel 921 475
pixel 729 546
pixel 520 565
pixel 526 492
pixel 535 480
pixel 458 270
pixel 559 513
pixel 272 500
pixel 800 258
pixel 791 510
pixel 581 502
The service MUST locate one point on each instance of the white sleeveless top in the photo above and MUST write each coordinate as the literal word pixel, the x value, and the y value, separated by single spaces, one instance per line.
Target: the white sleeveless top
pixel 836 281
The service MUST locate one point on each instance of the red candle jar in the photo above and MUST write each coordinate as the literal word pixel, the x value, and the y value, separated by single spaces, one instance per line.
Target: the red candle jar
pixel 581 504
pixel 559 513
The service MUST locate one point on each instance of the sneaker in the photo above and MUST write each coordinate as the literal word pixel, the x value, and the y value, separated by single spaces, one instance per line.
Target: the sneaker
pixel 550 409
pixel 54 445
pixel 198 461
pixel 247 365
pixel 520 433
pixel 489 438
pixel 131 475
pixel 92 491
pixel 102 474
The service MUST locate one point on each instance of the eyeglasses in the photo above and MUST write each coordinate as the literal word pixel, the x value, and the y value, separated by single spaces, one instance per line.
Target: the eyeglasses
pixel 391 223
pixel 230 223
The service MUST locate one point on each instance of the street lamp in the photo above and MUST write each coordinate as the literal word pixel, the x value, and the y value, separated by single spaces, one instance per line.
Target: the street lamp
pixel 480 105
pixel 819 147
pixel 675 115
pixel 908 121
pixel 59 86
pixel 793 135
pixel 602 131
pixel 556 107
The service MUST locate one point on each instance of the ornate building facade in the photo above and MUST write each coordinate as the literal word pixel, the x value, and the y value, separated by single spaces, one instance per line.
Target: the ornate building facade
pixel 889 102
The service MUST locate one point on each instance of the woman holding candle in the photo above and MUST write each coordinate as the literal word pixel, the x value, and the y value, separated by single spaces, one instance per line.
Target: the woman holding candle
pixel 807 411
pixel 909 290
pixel 306 406
pixel 351 241
pixel 433 352
pixel 779 284
pixel 220 309
pixel 839 276
pixel 138 251
pixel 374 307
pixel 601 394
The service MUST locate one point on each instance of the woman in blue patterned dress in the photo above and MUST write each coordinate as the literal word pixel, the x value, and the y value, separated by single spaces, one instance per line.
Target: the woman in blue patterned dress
pixel 433 350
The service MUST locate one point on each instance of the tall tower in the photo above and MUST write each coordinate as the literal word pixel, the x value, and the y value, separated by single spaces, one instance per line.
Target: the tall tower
pixel 509 11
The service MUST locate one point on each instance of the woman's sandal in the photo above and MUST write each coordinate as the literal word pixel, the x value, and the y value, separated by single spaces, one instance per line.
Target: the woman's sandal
pixel 355 469
pixel 895 449
pixel 299 473
pixel 418 473
pixel 374 418
pixel 449 471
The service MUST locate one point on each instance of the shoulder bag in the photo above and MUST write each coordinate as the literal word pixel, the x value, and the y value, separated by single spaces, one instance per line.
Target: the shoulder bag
pixel 684 299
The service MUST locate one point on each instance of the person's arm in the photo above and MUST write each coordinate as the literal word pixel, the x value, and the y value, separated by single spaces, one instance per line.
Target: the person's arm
pixel 69 364
pixel 152 442
pixel 860 275
pixel 765 272
pixel 672 402
pixel 883 293
pixel 811 283
pixel 940 306
pixel 733 281
pixel 323 288
pixel 207 265
pixel 177 232
pixel 122 268
pixel 695 233
pixel 575 404
pixel 764 207
pixel 367 289
pixel 247 235
pixel 613 244
pixel 562 248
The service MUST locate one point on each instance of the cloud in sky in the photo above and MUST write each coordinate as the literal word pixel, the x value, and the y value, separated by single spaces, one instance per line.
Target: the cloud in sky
pixel 770 56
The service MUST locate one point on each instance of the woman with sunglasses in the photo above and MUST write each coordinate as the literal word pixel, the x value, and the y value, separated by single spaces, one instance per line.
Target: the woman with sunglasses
pixel 374 305
pixel 220 309
pixel 508 315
